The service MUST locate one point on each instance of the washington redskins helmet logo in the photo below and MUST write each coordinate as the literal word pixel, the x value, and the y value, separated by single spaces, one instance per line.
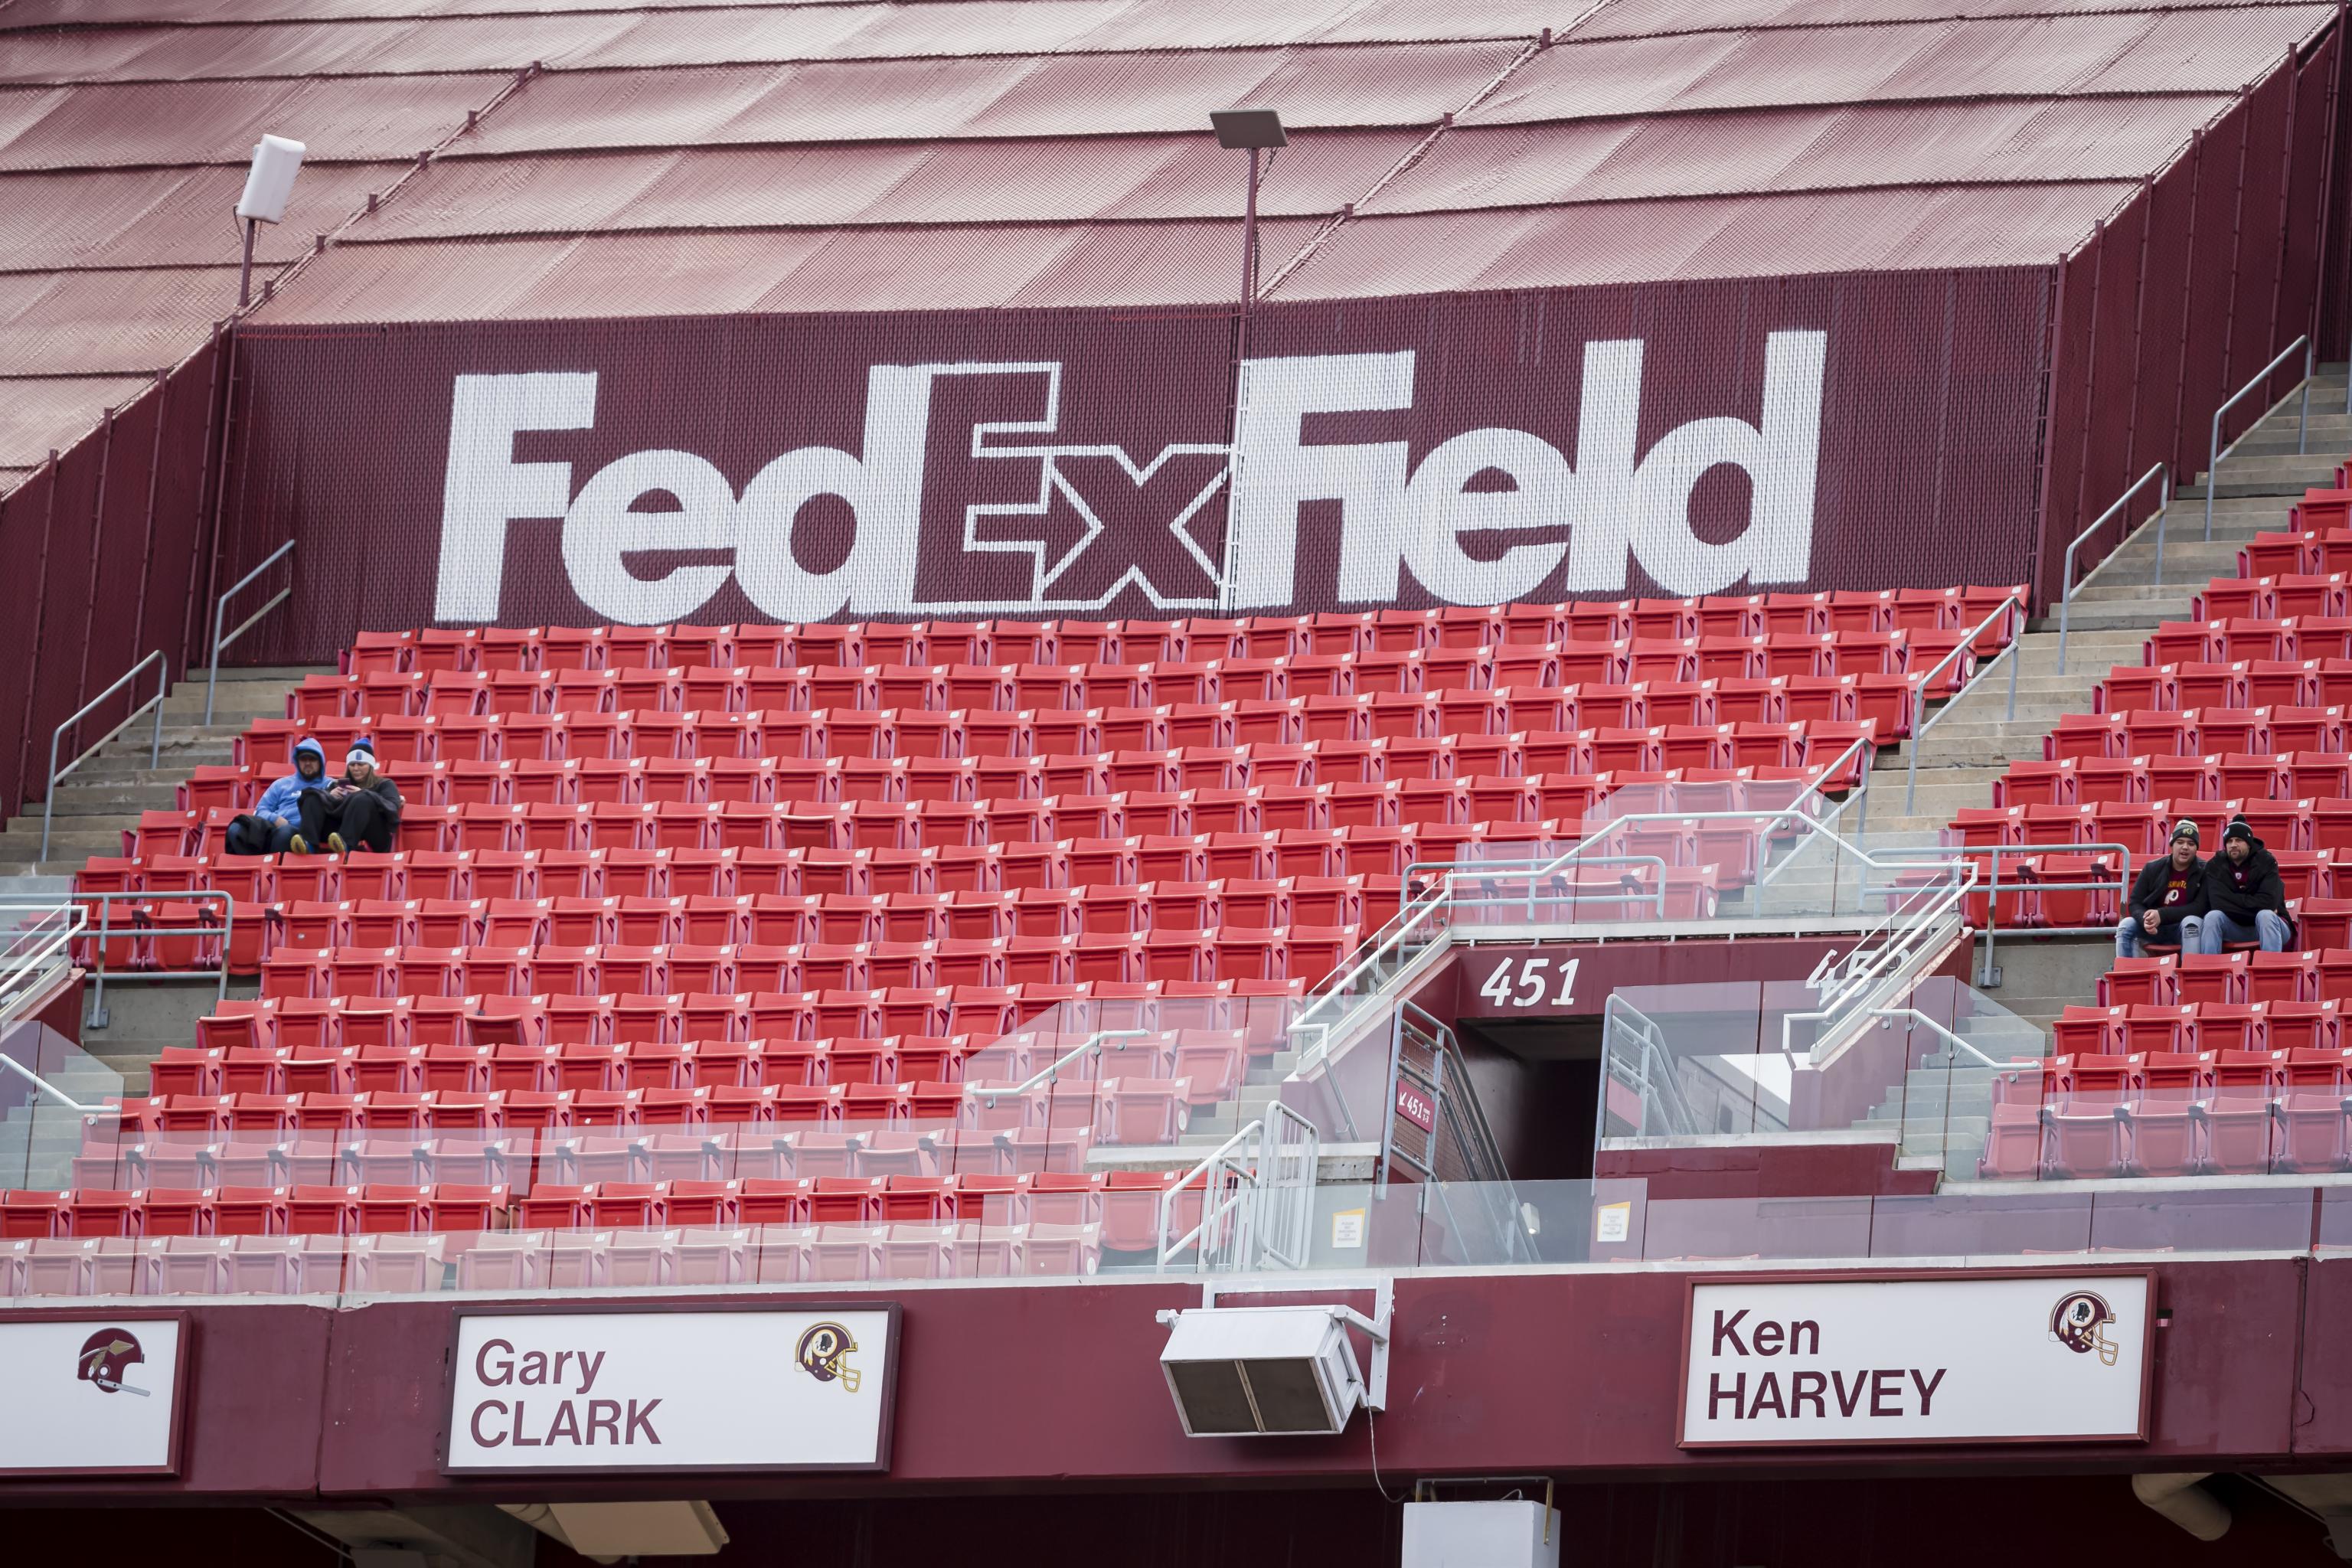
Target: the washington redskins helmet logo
pixel 823 1355
pixel 106 1355
pixel 2080 1323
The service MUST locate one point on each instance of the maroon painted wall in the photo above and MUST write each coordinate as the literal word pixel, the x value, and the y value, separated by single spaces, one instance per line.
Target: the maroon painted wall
pixel 107 550
pixel 1602 404
pixel 2190 290
pixel 1493 1374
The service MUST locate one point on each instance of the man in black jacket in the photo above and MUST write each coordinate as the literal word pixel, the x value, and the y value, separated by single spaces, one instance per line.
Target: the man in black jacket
pixel 2168 900
pixel 360 810
pixel 2245 900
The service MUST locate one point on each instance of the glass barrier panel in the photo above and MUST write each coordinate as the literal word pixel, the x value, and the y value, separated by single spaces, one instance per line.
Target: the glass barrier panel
pixel 2190 1217
pixel 2024 1222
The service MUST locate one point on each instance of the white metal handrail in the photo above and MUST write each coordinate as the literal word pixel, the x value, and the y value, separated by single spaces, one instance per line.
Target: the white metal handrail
pixel 1959 1047
pixel 2066 572
pixel 220 608
pixel 2215 453
pixel 26 972
pixel 154 746
pixel 42 1086
pixel 2010 651
pixel 1424 912
pixel 1092 1045
pixel 1231 1190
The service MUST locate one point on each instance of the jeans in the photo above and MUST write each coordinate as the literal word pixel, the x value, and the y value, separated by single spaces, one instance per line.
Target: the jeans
pixel 256 836
pixel 2270 929
pixel 2132 938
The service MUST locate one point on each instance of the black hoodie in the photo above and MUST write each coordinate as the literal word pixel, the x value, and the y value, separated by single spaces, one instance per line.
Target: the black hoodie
pixel 2237 891
pixel 2154 892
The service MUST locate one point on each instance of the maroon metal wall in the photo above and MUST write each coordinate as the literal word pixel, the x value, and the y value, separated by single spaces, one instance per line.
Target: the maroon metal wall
pixel 1571 1373
pixel 2190 290
pixel 1921 388
pixel 107 550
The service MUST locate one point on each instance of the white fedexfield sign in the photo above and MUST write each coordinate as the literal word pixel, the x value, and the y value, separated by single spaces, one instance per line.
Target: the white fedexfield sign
pixel 1620 502
pixel 89 1394
pixel 2036 1357
pixel 706 1391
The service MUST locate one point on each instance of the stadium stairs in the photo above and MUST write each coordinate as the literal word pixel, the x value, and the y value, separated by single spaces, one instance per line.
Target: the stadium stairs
pixel 2115 610
pixel 99 803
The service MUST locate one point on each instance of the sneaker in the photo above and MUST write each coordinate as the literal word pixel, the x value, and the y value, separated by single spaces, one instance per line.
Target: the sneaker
pixel 300 846
pixel 335 842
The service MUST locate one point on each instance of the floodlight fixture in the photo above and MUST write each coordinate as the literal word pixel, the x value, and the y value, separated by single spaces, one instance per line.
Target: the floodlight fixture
pixel 1251 128
pixel 267 184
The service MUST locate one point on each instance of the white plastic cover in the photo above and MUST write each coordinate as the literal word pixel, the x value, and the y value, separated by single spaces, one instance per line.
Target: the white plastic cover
pixel 276 161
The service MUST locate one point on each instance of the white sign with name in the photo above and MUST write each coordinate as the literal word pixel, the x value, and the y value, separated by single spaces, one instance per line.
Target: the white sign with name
pixel 721 1390
pixel 2042 1358
pixel 88 1394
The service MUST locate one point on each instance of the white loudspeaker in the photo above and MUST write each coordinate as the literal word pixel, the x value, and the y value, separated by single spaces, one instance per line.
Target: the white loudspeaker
pixel 276 161
pixel 1512 1534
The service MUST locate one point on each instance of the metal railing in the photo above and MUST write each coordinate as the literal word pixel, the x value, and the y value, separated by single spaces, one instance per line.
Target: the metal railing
pixel 1987 974
pixel 220 610
pixel 1256 1208
pixel 1847 986
pixel 137 926
pixel 1959 1045
pixel 2066 572
pixel 43 1088
pixel 1927 721
pixel 154 746
pixel 38 949
pixel 1091 1045
pixel 2215 452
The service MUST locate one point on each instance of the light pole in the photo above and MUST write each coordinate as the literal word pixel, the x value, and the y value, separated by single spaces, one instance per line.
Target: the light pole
pixel 268 183
pixel 1259 130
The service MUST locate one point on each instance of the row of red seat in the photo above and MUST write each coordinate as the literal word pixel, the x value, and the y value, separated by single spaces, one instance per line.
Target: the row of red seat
pixel 2285 1019
pixel 2282 596
pixel 1453 678
pixel 2318 972
pixel 2248 1131
pixel 400 1209
pixel 1197 638
pixel 1214 1059
pixel 1122 1109
pixel 1259 1008
pixel 2303 833
pixel 2319 777
pixel 2194 732
pixel 788 920
pixel 1024 800
pixel 985 1134
pixel 2245 637
pixel 1233 952
pixel 1560 728
pixel 2248 683
pixel 41 1270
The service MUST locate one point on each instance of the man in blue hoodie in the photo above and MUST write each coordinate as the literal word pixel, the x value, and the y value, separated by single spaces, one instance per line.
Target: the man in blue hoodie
pixel 270 827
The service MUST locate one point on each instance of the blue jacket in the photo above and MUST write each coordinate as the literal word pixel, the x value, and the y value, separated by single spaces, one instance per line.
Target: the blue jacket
pixel 278 799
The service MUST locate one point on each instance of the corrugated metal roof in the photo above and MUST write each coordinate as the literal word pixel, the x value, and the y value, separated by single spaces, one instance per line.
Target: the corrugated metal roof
pixel 676 156
pixel 49 414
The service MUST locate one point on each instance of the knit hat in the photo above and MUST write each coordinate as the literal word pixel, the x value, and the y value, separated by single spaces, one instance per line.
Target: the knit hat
pixel 2241 829
pixel 361 749
pixel 2184 828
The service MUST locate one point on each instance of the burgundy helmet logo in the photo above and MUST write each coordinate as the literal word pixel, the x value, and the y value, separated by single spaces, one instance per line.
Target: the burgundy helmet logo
pixel 2080 1323
pixel 823 1355
pixel 106 1355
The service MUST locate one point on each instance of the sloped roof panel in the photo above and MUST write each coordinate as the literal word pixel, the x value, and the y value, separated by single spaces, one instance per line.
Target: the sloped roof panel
pixel 49 412
pixel 178 123
pixel 167 217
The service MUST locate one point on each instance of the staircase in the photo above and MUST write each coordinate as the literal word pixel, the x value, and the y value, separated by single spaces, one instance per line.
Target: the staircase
pixel 101 800
pixel 103 797
pixel 2117 606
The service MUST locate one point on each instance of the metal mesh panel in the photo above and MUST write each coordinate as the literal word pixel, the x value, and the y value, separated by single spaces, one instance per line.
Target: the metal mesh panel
pixel 2068 409
pixel 2256 333
pixel 2212 248
pixel 2307 150
pixel 1872 430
